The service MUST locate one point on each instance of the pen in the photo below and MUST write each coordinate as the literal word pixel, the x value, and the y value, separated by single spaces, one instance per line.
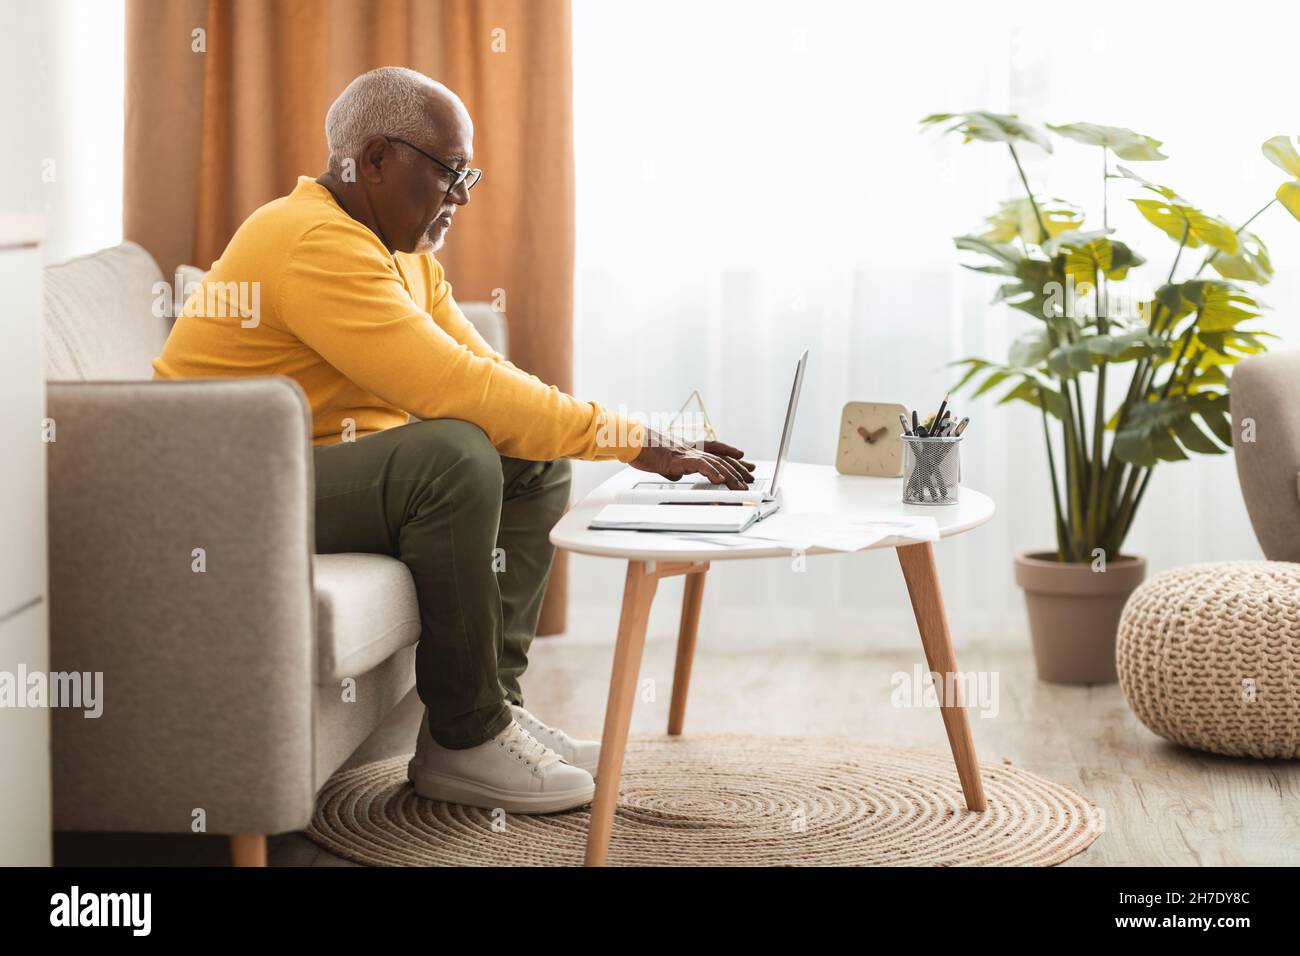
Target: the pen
pixel 906 430
pixel 961 426
pixel 938 416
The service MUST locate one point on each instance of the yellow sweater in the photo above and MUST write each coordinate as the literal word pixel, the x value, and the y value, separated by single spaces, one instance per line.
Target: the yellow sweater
pixel 305 290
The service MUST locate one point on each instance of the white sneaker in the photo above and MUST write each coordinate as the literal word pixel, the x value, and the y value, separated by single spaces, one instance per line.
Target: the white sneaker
pixel 512 771
pixel 580 753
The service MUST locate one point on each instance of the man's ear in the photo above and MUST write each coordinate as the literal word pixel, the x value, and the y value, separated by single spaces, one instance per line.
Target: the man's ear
pixel 375 156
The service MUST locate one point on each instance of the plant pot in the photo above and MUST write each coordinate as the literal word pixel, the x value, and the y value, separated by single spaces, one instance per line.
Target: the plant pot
pixel 1074 614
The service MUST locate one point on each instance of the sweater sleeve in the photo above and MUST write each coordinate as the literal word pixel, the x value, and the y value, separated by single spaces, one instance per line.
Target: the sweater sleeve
pixel 341 296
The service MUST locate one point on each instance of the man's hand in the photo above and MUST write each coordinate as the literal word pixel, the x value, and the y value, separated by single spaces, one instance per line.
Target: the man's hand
pixel 721 464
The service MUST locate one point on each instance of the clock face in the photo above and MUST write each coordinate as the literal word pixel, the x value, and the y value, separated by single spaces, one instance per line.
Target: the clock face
pixel 870 441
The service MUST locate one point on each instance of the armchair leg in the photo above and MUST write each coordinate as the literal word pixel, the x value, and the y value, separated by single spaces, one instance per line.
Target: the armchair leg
pixel 248 849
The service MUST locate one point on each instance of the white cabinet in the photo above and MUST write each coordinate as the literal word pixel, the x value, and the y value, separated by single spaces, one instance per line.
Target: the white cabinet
pixel 25 838
pixel 22 453
pixel 25 745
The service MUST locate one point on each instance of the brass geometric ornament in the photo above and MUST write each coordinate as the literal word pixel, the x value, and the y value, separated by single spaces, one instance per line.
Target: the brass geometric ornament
pixel 692 426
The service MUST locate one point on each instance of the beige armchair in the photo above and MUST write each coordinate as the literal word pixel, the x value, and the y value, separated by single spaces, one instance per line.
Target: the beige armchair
pixel 239 668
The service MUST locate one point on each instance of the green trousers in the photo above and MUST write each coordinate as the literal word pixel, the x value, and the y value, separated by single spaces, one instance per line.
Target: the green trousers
pixel 472 526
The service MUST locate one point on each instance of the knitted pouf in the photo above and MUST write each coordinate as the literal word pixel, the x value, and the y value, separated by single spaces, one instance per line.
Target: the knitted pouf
pixel 1209 657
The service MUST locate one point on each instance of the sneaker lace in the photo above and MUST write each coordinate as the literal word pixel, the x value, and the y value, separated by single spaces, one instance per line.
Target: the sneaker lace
pixel 533 724
pixel 518 741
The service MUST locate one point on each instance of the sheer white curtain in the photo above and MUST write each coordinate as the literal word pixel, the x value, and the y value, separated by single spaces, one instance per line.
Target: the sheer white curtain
pixel 752 180
pixel 61 71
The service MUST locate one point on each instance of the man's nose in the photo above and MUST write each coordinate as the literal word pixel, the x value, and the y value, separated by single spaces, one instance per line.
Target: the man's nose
pixel 459 196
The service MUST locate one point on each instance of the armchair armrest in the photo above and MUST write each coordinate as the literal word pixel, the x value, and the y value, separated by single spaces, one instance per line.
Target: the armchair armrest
pixel 207 656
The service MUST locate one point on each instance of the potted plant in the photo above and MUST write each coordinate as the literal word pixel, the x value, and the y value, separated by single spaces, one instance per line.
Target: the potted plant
pixel 1122 379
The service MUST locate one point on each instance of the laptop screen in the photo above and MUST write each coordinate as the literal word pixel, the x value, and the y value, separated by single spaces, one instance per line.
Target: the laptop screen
pixel 789 422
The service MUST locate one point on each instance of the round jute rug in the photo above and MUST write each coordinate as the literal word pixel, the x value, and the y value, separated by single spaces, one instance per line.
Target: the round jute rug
pixel 729 801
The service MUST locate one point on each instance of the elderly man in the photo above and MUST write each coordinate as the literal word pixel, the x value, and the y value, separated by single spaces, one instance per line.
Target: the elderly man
pixel 356 309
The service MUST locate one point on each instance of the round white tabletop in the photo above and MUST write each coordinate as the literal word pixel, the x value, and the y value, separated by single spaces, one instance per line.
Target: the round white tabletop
pixel 805 489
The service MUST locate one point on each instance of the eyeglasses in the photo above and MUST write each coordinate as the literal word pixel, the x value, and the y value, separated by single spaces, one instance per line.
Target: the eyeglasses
pixel 467 176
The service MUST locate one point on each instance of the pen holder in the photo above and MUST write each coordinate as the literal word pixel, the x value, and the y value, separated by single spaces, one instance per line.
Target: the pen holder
pixel 931 470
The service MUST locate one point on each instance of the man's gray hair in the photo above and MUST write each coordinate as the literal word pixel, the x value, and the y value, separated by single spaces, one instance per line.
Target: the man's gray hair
pixel 391 100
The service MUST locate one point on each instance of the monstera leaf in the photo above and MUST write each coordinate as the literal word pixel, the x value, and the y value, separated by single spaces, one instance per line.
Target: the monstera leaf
pixel 1176 217
pixel 1219 305
pixel 1159 190
pixel 1160 430
pixel 1030 276
pixel 1070 359
pixel 1006 257
pixel 1281 152
pixel 1015 218
pixel 1288 194
pixel 1030 350
pixel 990 128
pixel 1087 253
pixel 1038 393
pixel 1207 375
pixel 1228 347
pixel 1074 239
pixel 1124 143
pixel 1214 339
pixel 1250 264
pixel 1181 222
pixel 1031 387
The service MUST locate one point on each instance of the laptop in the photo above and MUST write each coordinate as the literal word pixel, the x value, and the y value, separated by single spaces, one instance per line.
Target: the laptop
pixel 760 499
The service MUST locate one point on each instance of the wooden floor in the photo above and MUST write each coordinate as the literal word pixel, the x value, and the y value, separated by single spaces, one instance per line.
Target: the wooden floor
pixel 1164 805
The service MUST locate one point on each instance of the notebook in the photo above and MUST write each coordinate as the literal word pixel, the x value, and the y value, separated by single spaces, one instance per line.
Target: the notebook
pixel 702 517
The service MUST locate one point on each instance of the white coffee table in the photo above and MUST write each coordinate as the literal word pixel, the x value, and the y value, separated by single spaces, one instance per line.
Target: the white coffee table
pixel 805 489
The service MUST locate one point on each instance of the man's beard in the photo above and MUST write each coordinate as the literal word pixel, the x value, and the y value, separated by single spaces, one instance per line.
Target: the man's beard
pixel 428 244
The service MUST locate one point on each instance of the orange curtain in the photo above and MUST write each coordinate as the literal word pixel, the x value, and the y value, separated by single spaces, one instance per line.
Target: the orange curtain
pixel 225 107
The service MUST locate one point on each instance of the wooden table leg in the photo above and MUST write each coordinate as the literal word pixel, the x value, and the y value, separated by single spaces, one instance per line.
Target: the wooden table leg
pixel 638 593
pixel 692 598
pixel 927 604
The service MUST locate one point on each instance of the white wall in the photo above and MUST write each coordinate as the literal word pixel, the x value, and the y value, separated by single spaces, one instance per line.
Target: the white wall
pixel 61 81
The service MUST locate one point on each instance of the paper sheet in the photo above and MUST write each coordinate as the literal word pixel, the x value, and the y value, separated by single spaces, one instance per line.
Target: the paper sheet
pixel 833 532
pixel 837 532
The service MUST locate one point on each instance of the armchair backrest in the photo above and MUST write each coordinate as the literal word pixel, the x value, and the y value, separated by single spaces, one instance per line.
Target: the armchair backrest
pixel 489 323
pixel 99 316
pixel 1265 405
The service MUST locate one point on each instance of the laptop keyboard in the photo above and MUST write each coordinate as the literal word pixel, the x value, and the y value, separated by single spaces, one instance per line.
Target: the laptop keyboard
pixel 758 484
